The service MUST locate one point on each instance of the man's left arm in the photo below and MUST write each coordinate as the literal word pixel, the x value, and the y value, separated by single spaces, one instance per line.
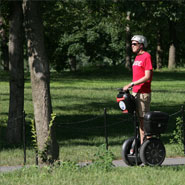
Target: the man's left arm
pixel 140 81
pixel 144 78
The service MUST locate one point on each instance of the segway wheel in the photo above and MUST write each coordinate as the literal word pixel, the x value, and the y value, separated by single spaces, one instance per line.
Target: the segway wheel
pixel 152 152
pixel 127 158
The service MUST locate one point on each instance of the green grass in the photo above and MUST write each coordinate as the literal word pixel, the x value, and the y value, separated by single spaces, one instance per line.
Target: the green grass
pixel 173 175
pixel 82 96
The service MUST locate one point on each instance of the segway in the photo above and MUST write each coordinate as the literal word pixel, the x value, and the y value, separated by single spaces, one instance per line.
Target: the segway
pixel 152 151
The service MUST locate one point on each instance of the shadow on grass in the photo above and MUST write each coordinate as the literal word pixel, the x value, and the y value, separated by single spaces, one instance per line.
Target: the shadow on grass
pixel 117 126
pixel 169 75
pixel 117 72
pixel 85 129
pixel 114 72
pixel 79 130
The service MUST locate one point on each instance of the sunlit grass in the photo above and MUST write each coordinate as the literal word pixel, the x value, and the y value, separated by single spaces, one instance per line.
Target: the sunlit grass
pixel 78 97
pixel 171 175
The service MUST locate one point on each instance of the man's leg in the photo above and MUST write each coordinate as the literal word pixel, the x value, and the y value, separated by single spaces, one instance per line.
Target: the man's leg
pixel 141 130
pixel 143 106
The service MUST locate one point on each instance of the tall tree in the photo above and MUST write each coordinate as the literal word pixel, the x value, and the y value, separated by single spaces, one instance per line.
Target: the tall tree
pixel 127 41
pixel 3 44
pixel 40 81
pixel 172 47
pixel 16 69
pixel 159 50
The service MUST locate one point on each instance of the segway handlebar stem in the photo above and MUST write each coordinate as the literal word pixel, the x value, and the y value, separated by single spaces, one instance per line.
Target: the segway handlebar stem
pixel 127 91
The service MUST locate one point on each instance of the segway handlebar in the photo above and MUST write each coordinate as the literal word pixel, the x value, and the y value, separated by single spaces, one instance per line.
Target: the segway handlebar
pixel 127 91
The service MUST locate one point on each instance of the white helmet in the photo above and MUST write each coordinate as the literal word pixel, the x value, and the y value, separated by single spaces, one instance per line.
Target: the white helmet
pixel 141 39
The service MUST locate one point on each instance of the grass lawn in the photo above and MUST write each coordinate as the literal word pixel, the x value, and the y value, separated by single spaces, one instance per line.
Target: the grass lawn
pixel 173 175
pixel 81 96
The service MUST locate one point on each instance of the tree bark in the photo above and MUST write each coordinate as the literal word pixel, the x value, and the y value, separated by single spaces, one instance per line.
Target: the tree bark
pixel 128 45
pixel 16 69
pixel 4 46
pixel 40 81
pixel 72 62
pixel 172 48
pixel 159 51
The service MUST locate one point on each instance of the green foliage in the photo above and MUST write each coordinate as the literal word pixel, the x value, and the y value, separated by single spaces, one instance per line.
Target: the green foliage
pixel 84 31
pixel 69 166
pixel 34 135
pixel 53 116
pixel 177 135
pixel 103 159
pixel 44 154
pixel 94 31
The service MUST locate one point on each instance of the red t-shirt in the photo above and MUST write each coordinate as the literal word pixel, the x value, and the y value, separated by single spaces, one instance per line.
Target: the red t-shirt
pixel 141 63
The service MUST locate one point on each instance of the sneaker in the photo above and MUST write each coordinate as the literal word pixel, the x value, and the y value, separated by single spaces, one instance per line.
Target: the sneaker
pixel 131 151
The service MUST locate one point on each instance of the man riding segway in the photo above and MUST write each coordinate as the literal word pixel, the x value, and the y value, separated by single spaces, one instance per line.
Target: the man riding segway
pixel 147 148
pixel 142 78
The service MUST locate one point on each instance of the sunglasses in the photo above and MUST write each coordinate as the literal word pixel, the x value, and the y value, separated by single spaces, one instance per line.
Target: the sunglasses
pixel 135 44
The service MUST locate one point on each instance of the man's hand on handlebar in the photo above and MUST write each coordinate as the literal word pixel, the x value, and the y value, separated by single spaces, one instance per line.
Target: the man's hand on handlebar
pixel 127 87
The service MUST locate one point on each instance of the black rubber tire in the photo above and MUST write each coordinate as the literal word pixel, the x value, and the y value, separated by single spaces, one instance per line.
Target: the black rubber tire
pixel 152 152
pixel 126 150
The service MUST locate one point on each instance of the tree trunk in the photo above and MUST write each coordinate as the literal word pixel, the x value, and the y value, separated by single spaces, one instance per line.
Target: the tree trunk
pixel 172 48
pixel 72 63
pixel 4 46
pixel 159 51
pixel 128 45
pixel 16 68
pixel 39 69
